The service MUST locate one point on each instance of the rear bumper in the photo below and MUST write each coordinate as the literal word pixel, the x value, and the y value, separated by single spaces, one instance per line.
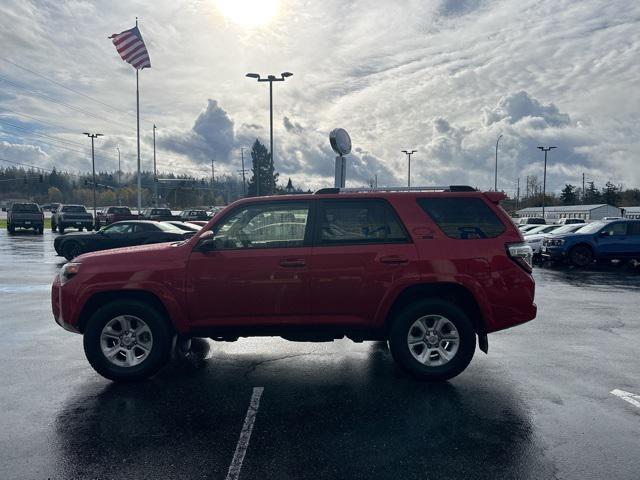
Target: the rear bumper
pixel 75 223
pixel 27 223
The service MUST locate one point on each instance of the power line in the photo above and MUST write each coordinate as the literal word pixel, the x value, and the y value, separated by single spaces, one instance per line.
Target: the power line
pixel 66 87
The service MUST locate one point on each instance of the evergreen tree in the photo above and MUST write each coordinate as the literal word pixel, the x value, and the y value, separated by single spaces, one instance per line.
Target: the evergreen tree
pixel 611 194
pixel 568 195
pixel 592 194
pixel 263 179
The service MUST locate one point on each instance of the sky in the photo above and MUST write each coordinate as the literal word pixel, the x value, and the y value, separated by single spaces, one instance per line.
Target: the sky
pixel 443 77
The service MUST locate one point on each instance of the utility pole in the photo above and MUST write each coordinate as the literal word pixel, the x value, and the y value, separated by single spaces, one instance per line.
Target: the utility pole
pixel 155 172
pixel 583 188
pixel 270 79
pixel 93 168
pixel 213 179
pixel 518 196
pixel 244 183
pixel 495 182
pixel 544 177
pixel 409 153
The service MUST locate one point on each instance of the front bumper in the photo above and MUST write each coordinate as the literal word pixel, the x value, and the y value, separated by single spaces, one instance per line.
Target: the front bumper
pixel 553 253
pixel 59 309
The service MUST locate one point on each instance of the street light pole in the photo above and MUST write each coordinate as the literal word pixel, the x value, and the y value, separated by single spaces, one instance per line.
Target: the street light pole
pixel 213 179
pixel 495 182
pixel 409 153
pixel 544 177
pixel 270 79
pixel 155 173
pixel 119 177
pixel 93 168
pixel 244 183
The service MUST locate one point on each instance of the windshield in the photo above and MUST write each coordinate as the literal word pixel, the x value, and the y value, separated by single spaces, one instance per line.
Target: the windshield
pixel 592 227
pixel 74 209
pixel 568 228
pixel 25 207
pixel 161 211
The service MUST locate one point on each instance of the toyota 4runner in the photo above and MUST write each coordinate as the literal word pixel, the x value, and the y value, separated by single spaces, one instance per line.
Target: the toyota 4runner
pixel 429 270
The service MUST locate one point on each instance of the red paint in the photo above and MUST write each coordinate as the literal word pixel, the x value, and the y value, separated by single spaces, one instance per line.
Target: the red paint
pixel 342 286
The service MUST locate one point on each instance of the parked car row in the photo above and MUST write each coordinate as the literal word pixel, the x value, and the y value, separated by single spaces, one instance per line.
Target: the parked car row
pixel 127 233
pixel 582 244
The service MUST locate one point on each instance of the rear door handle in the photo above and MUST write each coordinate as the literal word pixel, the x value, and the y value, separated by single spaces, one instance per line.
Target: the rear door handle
pixel 292 263
pixel 394 260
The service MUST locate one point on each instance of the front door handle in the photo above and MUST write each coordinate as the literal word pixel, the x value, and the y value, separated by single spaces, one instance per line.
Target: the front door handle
pixel 292 263
pixel 394 259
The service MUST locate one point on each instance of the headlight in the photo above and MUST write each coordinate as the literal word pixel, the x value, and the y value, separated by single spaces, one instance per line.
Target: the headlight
pixel 554 242
pixel 68 271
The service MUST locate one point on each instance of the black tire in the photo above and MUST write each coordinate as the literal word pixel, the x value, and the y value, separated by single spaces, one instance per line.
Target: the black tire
pixel 581 256
pixel 400 330
pixel 53 226
pixel 157 356
pixel 71 250
pixel 11 228
pixel 61 229
pixel 41 230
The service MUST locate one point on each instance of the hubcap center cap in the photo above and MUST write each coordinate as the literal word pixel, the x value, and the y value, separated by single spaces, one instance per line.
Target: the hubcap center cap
pixel 432 339
pixel 128 339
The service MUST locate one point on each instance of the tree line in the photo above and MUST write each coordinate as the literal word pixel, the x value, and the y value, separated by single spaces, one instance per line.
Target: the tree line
pixel 120 188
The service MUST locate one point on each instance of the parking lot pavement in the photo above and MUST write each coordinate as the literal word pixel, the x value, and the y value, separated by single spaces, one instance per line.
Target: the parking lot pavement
pixel 538 406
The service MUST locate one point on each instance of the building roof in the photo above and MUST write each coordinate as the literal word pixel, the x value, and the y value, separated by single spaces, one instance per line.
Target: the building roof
pixel 566 208
pixel 631 209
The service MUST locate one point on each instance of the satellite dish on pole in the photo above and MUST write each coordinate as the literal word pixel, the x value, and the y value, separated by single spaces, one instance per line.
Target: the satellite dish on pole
pixel 341 144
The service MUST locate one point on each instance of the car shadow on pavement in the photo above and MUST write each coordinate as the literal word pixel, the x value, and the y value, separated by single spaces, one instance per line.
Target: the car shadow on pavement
pixel 323 415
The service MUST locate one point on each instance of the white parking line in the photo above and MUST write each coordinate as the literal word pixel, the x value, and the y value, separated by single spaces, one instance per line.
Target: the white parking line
pixel 245 435
pixel 632 398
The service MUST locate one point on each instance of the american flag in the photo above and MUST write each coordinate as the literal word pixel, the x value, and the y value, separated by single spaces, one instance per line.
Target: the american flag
pixel 131 48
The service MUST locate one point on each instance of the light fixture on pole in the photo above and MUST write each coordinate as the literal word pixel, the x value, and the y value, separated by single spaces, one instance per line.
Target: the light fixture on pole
pixel 495 181
pixel 409 153
pixel 270 79
pixel 93 168
pixel 544 176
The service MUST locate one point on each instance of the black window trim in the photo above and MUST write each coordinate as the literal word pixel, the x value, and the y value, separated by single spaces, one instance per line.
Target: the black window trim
pixel 307 242
pixel 317 241
pixel 427 197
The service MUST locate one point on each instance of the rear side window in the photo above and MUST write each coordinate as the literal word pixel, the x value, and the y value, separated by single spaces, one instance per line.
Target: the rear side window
pixel 358 221
pixel 634 228
pixel 463 218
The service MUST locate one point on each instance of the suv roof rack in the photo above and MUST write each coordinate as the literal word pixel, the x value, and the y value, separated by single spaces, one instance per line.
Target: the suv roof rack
pixel 441 188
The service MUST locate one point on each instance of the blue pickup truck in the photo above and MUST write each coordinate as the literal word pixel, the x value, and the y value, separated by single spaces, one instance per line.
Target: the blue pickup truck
pixel 619 239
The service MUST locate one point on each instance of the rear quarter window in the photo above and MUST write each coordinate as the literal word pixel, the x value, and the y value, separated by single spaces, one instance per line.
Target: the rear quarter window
pixel 463 218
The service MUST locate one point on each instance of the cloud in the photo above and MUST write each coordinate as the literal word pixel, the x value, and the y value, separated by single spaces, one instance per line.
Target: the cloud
pixel 212 136
pixel 517 106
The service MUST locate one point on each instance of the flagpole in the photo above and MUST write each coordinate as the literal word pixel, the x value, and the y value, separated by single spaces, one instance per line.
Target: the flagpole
pixel 138 132
pixel 138 128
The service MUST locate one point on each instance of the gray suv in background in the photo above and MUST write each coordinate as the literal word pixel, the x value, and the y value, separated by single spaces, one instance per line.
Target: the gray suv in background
pixel 75 216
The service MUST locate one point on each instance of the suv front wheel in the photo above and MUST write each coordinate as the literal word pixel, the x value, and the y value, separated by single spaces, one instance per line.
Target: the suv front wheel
pixel 127 341
pixel 432 340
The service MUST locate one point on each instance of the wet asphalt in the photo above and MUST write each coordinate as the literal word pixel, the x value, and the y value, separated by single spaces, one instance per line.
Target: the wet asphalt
pixel 537 407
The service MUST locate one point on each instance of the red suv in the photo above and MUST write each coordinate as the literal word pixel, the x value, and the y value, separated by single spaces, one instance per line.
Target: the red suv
pixel 427 270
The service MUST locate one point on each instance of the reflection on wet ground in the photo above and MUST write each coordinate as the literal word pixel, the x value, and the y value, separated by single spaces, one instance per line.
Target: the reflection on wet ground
pixel 536 407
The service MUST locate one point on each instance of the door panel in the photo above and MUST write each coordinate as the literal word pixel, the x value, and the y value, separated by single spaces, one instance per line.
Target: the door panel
pixel 361 253
pixel 258 273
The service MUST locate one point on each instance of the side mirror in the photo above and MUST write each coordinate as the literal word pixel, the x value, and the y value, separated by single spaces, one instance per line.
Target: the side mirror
pixel 206 243
pixel 603 233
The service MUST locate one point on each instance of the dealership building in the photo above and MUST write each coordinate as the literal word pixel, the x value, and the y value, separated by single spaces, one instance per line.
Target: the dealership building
pixel 584 212
pixel 632 212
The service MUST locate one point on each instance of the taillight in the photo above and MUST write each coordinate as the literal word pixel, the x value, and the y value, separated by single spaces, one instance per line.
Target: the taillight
pixel 522 254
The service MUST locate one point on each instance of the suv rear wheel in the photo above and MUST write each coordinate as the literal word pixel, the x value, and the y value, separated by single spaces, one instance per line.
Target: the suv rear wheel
pixel 433 340
pixel 127 341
